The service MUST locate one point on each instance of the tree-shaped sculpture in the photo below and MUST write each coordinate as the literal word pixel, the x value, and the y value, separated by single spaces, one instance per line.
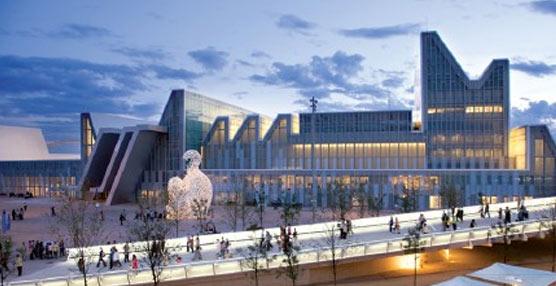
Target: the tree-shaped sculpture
pixel 194 186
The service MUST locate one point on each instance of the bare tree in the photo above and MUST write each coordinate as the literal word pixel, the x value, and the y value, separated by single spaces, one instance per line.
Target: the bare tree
pixel 200 212
pixel 413 245
pixel 231 208
pixel 150 236
pixel 77 220
pixel 331 239
pixel 290 264
pixel 362 200
pixel 261 206
pixel 450 196
pixel 256 258
pixel 5 254
pixel 289 210
pixel 508 231
pixel 376 203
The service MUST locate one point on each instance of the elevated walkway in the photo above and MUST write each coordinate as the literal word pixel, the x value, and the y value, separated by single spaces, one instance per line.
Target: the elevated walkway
pixel 371 240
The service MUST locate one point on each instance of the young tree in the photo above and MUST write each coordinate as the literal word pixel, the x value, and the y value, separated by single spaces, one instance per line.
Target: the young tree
pixel 450 196
pixel 413 245
pixel 290 264
pixel 150 239
pixel 339 203
pixel 376 204
pixel 363 200
pixel 5 254
pixel 200 212
pixel 289 210
pixel 508 231
pixel 408 199
pixel 77 220
pixel 256 258
pixel 231 208
pixel 261 206
pixel 332 240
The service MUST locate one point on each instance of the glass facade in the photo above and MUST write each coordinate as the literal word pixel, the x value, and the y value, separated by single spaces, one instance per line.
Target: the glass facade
pixel 40 178
pixel 458 137
pixel 466 120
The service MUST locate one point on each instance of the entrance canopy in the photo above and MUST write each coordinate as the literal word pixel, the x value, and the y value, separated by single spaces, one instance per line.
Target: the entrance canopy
pixel 514 275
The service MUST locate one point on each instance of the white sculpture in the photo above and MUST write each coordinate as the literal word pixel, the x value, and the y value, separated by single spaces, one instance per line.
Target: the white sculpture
pixel 194 186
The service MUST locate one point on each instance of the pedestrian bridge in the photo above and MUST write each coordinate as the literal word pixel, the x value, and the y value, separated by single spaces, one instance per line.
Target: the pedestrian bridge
pixel 371 239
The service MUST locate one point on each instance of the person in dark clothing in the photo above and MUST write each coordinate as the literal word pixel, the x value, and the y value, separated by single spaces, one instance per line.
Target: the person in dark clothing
pixel 391 223
pixel 472 224
pixel 487 210
pixel 53 211
pixel 101 258
pixel 508 218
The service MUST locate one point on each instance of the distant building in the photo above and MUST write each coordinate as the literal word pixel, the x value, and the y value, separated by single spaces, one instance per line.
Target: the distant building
pixel 26 166
pixel 458 139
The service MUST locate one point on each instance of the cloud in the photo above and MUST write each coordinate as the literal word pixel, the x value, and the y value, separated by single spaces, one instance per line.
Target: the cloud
pixel 295 24
pixel 323 76
pixel 210 58
pixel 149 54
pixel 534 68
pixel 164 72
pixel 260 54
pixel 538 112
pixel 543 6
pixel 245 63
pixel 381 32
pixel 80 31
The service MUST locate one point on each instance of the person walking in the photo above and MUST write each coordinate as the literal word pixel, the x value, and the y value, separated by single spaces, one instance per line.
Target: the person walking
pixel 19 264
pixel 101 258
pixel 116 258
pixel 508 217
pixel 472 224
pixel 487 210
pixel 391 224
pixel 126 252
pixel 53 211
pixel 134 263
pixel 62 248
pixel 397 225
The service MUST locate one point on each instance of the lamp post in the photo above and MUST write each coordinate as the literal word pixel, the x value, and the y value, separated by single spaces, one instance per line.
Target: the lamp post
pixel 313 106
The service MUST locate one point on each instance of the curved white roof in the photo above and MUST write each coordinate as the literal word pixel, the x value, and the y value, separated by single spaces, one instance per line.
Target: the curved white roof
pixel 24 144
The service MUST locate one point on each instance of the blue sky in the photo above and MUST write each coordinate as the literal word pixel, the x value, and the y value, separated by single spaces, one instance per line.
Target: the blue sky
pixel 60 58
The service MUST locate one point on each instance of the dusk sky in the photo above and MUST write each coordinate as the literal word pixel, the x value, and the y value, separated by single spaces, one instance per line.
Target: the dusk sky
pixel 60 58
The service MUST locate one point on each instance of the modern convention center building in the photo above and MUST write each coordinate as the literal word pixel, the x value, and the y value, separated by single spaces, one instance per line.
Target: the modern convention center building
pixel 456 138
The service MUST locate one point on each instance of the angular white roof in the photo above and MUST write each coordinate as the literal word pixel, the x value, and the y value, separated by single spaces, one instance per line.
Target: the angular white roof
pixel 463 281
pixel 514 275
pixel 24 144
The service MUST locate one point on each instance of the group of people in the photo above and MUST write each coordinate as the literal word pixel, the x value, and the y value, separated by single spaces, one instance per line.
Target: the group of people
pixel 43 249
pixel 287 238
pixel 394 225
pixel 223 249
pixel 345 228
pixel 113 257
pixel 194 245
pixel 451 218
pixel 4 244
pixel 16 214
pixel 150 214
